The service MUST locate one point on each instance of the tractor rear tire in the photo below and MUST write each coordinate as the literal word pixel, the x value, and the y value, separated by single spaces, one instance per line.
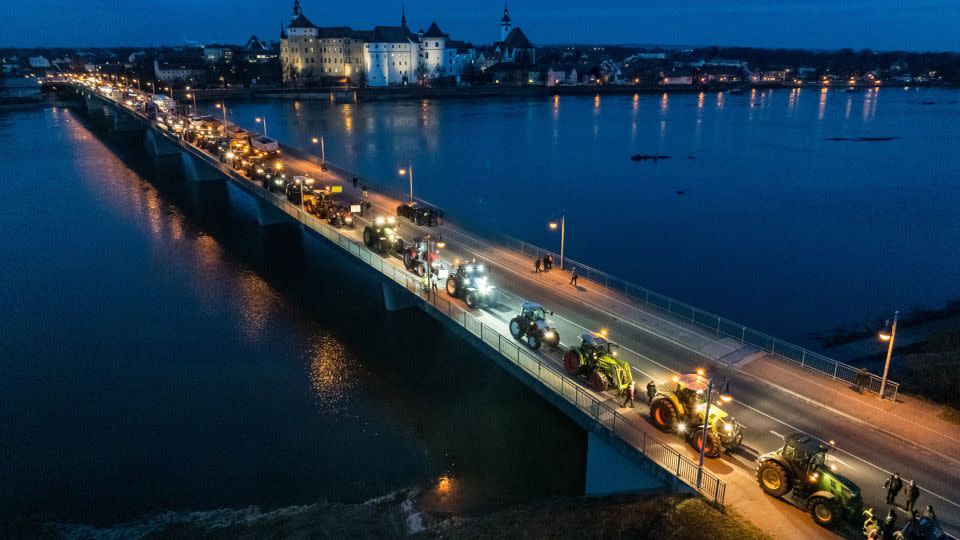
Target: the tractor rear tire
pixel 471 300
pixel 452 287
pixel 533 341
pixel 515 330
pixel 368 236
pixel 713 442
pixel 420 270
pixel 309 206
pixel 572 362
pixel 822 510
pixel 599 381
pixel 664 414
pixel 409 258
pixel 773 478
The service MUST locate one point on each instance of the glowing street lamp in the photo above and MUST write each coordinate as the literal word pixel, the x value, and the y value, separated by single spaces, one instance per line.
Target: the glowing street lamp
pixel 725 397
pixel 263 120
pixel 409 170
pixel 562 224
pixel 323 151
pixel 194 96
pixel 888 334
pixel 223 105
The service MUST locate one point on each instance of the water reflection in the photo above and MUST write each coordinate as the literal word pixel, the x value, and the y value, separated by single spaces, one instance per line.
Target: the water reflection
pixel 332 377
pixel 822 104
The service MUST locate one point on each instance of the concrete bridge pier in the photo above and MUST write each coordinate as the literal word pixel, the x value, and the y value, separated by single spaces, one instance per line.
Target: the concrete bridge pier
pixel 210 200
pixel 118 120
pixel 609 471
pixel 269 215
pixel 93 105
pixel 158 146
pixel 196 170
pixel 396 297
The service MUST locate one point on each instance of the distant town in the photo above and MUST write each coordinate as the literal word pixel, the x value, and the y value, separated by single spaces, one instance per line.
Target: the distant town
pixel 304 56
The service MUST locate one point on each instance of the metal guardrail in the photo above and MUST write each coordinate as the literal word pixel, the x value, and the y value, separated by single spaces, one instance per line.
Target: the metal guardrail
pixel 717 324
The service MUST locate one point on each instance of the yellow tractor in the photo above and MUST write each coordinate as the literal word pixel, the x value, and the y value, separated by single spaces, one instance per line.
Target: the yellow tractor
pixel 679 406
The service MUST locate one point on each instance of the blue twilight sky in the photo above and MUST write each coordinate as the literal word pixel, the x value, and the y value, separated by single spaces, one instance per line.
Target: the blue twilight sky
pixel 875 24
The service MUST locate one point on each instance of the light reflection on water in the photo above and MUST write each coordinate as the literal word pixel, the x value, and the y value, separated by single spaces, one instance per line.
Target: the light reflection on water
pixel 333 373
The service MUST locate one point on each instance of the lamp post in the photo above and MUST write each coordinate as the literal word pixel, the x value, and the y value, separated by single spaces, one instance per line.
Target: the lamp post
pixel 405 171
pixel 323 152
pixel 263 119
pixel 724 396
pixel 194 96
pixel 563 232
pixel 223 105
pixel 888 334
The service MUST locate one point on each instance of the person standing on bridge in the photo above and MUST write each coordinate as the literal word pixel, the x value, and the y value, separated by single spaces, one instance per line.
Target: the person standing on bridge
pixel 889 524
pixel 913 493
pixel 536 265
pixel 547 262
pixel 651 390
pixel 893 484
pixel 355 181
pixel 629 398
pixel 573 276
pixel 929 514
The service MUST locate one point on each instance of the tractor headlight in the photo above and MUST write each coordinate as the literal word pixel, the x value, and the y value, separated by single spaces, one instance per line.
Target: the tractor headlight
pixel 681 427
pixel 278 182
pixel 379 221
pixel 548 334
pixel 728 428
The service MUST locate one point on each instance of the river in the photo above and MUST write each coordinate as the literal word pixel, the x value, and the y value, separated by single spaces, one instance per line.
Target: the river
pixel 161 353
pixel 758 216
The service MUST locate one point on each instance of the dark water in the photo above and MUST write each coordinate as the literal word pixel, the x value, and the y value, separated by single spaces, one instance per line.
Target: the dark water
pixel 777 227
pixel 159 352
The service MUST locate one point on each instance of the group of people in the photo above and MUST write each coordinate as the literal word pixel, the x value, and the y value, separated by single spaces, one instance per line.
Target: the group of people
pixel 914 529
pixel 543 265
pixel 630 391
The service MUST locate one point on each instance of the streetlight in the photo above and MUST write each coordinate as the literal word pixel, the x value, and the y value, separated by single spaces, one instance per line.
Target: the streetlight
pixel 403 172
pixel 563 232
pixel 223 105
pixel 263 119
pixel 888 334
pixel 725 397
pixel 194 96
pixel 323 150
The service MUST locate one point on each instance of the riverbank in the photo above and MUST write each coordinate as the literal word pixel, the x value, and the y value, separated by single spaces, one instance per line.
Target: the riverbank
pixel 402 514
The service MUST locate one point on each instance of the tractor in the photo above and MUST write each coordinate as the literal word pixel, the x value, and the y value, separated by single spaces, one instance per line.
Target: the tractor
pixel 532 327
pixel 679 406
pixel 798 473
pixel 471 282
pixel 419 251
pixel 382 236
pixel 596 361
pixel 339 216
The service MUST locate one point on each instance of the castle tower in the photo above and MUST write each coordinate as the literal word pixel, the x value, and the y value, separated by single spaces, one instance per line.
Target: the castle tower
pixel 296 9
pixel 504 23
pixel 403 17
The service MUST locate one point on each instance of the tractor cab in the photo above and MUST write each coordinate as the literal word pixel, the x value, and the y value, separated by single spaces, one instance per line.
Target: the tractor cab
pixel 533 311
pixel 597 346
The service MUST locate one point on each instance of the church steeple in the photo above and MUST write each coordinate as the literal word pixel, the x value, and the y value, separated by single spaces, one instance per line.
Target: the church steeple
pixel 283 32
pixel 504 23
pixel 296 9
pixel 403 16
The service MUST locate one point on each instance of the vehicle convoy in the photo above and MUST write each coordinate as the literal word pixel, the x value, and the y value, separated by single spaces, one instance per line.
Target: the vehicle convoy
pixel 382 236
pixel 422 250
pixel 339 216
pixel 596 361
pixel 798 473
pixel 678 407
pixel 533 328
pixel 471 283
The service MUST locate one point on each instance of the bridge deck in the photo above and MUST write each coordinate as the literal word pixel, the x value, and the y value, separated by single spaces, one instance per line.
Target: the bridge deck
pixel 773 396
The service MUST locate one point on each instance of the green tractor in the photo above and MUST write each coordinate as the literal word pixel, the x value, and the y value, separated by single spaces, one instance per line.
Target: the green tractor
pixel 798 473
pixel 382 236
pixel 596 361
pixel 678 407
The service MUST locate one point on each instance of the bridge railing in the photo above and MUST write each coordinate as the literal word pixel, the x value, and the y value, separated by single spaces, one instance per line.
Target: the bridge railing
pixel 711 487
pixel 717 324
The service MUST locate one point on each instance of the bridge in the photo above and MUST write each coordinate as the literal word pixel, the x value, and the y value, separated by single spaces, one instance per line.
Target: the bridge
pixel 778 387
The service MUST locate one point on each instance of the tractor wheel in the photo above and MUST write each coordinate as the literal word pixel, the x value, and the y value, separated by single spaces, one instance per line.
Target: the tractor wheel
pixel 712 449
pixel 823 511
pixel 533 341
pixel 664 414
pixel 599 381
pixel 572 362
pixel 420 270
pixel 409 258
pixel 773 478
pixel 515 329
pixel 368 236
pixel 471 300
pixel 309 207
pixel 452 287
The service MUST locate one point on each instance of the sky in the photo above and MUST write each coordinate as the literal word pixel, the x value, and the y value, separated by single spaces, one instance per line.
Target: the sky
pixel 819 24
